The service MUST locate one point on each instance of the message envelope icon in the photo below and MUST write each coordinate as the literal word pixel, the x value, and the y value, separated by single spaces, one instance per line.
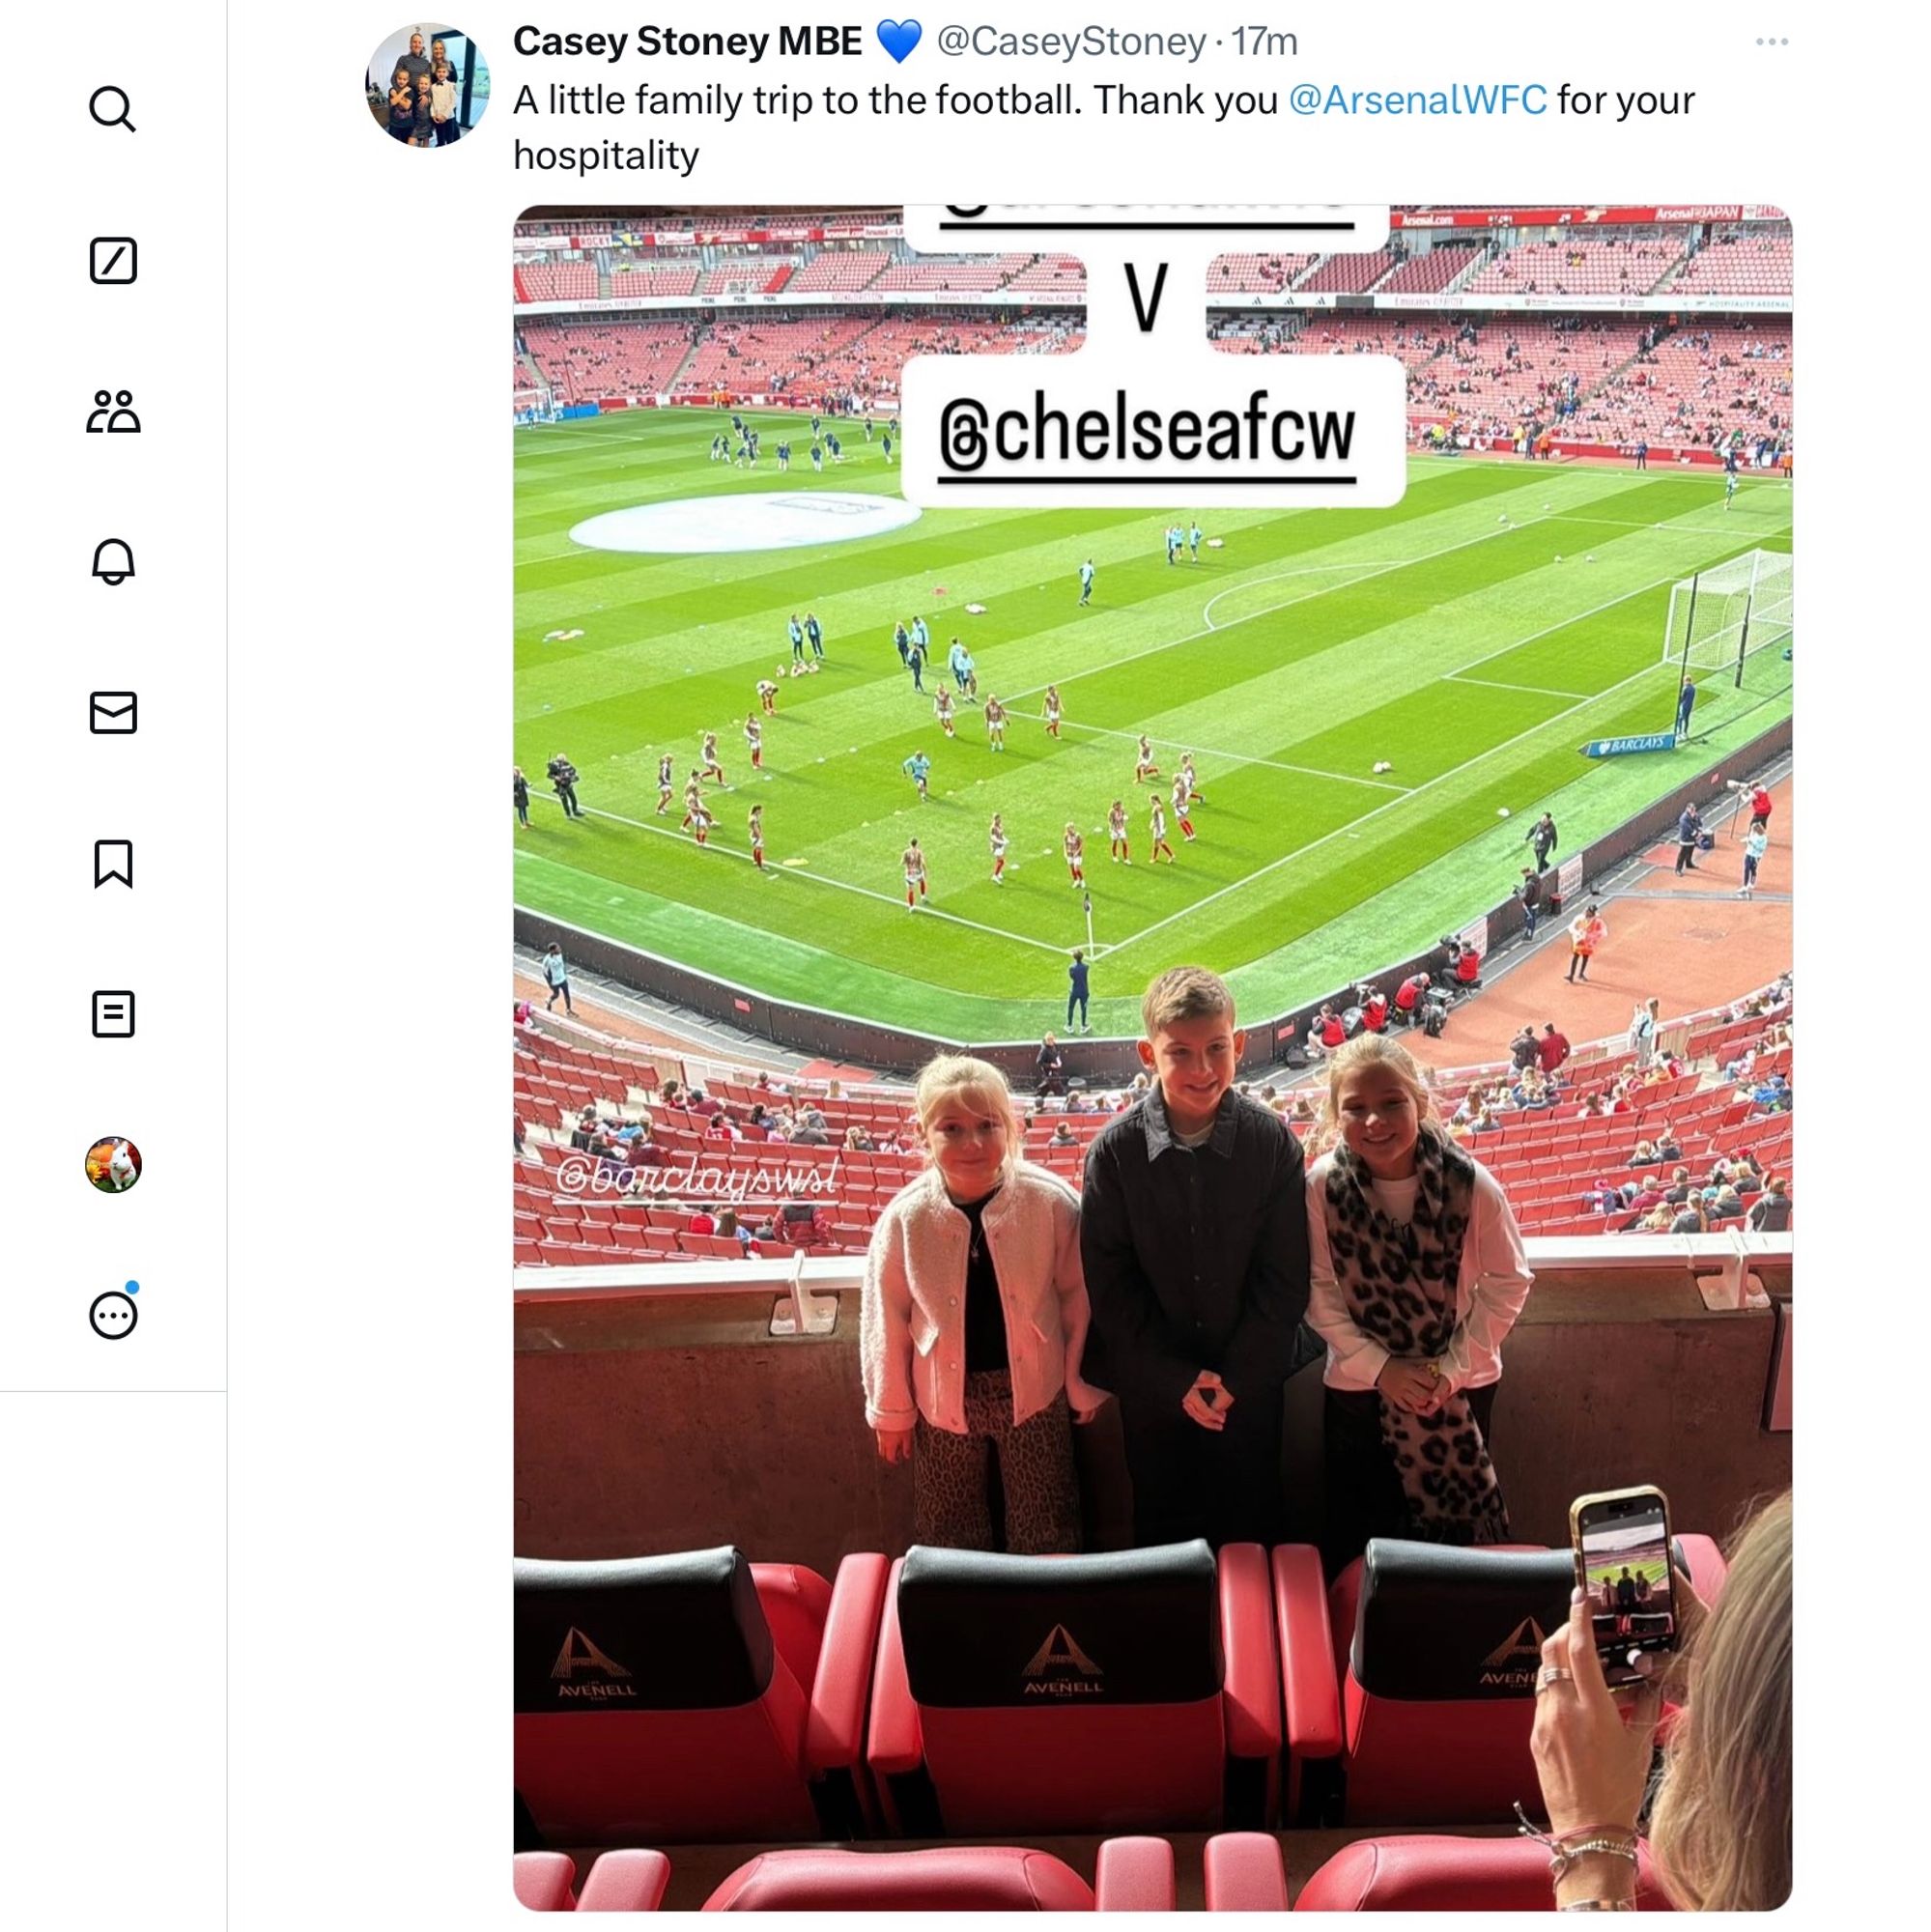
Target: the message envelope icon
pixel 111 711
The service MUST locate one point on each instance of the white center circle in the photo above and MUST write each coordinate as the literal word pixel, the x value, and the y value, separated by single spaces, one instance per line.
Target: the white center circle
pixel 778 519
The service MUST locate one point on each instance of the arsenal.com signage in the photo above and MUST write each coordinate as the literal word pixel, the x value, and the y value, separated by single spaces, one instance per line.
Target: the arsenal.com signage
pixel 1580 217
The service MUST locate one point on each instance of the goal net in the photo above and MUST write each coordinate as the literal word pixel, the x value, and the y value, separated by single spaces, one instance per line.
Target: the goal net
pixel 533 406
pixel 1725 616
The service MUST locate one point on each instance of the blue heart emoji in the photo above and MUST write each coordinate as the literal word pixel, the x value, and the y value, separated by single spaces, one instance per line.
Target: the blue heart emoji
pixel 898 37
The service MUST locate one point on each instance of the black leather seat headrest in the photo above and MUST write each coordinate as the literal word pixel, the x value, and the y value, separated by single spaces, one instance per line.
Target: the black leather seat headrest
pixel 1137 1627
pixel 1440 1623
pixel 682 1633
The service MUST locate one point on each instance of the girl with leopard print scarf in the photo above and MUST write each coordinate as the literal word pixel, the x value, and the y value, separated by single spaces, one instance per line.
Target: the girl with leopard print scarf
pixel 1418 1275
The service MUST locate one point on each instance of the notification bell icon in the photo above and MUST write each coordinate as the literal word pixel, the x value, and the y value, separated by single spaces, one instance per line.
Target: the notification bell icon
pixel 113 560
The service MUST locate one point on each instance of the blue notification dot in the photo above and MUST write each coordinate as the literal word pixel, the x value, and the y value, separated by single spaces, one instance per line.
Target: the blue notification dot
pixel 133 1287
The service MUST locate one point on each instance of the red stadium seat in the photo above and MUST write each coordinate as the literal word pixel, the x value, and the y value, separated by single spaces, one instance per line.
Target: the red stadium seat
pixel 1134 1875
pixel 1135 1692
pixel 695 1696
pixel 1434 1874
pixel 619 1882
pixel 1428 1654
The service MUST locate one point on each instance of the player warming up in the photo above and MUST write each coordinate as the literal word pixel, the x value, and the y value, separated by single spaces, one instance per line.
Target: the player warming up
pixel 918 768
pixel 1086 582
pixel 914 862
pixel 1145 769
pixel 755 826
pixel 1156 831
pixel 1116 830
pixel 994 723
pixel 753 736
pixel 701 821
pixel 767 698
pixel 709 765
pixel 942 709
pixel 694 800
pixel 1052 711
pixel 665 784
pixel 998 841
pixel 1195 796
pixel 1075 854
pixel 1180 817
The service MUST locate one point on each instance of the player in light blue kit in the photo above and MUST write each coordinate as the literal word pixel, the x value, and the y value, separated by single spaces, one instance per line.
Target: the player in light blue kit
pixel 1194 535
pixel 918 768
pixel 1086 582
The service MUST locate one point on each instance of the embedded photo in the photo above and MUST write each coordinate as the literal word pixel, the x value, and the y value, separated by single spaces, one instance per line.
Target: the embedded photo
pixel 1115 1109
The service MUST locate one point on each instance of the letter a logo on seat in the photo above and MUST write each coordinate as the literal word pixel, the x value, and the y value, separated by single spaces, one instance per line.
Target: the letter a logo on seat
pixel 579 1653
pixel 1060 1653
pixel 1516 1644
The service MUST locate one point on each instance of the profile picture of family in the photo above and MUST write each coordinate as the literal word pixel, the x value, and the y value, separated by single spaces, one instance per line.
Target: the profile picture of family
pixel 427 86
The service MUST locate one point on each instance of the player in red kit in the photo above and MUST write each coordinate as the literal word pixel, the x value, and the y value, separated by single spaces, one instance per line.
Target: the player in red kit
pixel 1116 830
pixel 1156 830
pixel 1075 855
pixel 694 800
pixel 767 696
pixel 665 784
pixel 753 736
pixel 942 709
pixel 994 723
pixel 1144 768
pixel 756 828
pixel 1195 796
pixel 1052 711
pixel 914 862
pixel 1180 817
pixel 998 841
pixel 708 763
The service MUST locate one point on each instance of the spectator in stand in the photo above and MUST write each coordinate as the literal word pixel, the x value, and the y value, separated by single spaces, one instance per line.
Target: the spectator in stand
pixel 516 1129
pixel 1769 1213
pixel 700 1102
pixel 1682 1188
pixel 584 1135
pixel 1642 1032
pixel 1593 1107
pixel 1668 1145
pixel 1643 1155
pixel 1531 1091
pixel 1063 1136
pixel 703 1222
pixel 857 1141
pixel 1722 1202
pixel 1551 1050
pixel 1587 932
pixel 983 1252
pixel 1523 1052
pixel 1604 1198
pixel 1691 1216
pixel 1485 1120
pixel 1417 1277
pixel 1773 1096
pixel 671 1093
pixel 1049 1066
pixel 1470 1100
pixel 1745 1173
pixel 1721 1817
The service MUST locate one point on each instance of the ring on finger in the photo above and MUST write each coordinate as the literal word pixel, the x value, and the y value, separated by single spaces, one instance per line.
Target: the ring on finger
pixel 1550 1673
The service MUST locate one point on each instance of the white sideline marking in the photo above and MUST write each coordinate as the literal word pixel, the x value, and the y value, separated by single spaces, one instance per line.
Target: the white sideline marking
pixel 1490 684
pixel 1208 751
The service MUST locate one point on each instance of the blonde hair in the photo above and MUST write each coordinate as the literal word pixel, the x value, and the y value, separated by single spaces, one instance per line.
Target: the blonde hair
pixel 1374 1050
pixel 978 1083
pixel 1184 993
pixel 1722 1827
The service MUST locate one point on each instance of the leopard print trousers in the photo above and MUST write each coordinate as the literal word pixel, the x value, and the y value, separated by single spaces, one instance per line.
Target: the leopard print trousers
pixel 952 1507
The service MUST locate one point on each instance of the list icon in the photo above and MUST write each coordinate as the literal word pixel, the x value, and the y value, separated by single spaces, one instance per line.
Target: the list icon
pixel 114 1015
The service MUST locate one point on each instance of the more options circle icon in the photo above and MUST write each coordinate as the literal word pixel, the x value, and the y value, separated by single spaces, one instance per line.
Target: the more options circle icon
pixel 113 1315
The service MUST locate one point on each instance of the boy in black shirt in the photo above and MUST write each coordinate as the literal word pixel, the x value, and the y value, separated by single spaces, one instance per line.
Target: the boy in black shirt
pixel 1193 1232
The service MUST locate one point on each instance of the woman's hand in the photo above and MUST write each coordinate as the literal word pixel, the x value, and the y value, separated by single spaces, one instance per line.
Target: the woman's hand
pixel 1407 1385
pixel 1084 1400
pixel 894 1445
pixel 1591 1752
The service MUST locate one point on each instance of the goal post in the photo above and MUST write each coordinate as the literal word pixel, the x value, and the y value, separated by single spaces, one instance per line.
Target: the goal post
pixel 1722 617
pixel 528 405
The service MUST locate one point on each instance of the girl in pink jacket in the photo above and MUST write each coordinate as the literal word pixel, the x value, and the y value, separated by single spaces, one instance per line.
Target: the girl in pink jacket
pixel 974 1321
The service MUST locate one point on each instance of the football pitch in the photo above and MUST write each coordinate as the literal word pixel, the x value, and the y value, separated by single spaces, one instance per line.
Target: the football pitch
pixel 1472 638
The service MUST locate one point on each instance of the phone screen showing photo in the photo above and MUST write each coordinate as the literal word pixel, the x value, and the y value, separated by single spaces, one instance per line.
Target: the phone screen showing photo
pixel 1624 1562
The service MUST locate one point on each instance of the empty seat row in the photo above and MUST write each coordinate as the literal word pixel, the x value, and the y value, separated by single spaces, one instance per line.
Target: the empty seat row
pixel 955 1693
pixel 1241 1871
